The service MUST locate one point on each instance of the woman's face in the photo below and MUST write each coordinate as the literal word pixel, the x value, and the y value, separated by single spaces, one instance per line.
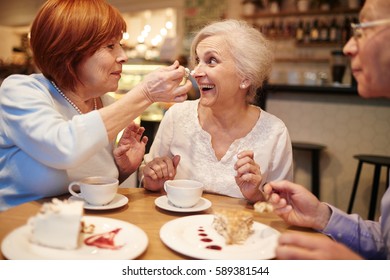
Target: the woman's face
pixel 215 72
pixel 101 72
pixel 370 54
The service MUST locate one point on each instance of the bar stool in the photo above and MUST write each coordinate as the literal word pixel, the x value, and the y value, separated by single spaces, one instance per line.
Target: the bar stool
pixel 378 162
pixel 315 150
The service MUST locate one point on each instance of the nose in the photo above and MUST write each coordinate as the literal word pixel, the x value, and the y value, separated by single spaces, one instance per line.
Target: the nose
pixel 351 47
pixel 122 57
pixel 198 72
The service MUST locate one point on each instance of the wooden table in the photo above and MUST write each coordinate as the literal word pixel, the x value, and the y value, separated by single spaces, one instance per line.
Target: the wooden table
pixel 141 211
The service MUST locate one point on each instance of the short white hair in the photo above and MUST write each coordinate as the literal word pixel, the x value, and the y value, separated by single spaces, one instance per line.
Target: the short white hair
pixel 251 51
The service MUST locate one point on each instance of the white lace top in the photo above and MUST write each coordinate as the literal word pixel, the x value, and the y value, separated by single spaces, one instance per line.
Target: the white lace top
pixel 180 133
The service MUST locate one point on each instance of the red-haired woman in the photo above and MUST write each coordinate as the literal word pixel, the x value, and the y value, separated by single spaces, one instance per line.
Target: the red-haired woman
pixel 59 126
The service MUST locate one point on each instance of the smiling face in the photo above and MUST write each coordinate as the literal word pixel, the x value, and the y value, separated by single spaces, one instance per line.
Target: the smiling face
pixel 215 72
pixel 100 73
pixel 370 54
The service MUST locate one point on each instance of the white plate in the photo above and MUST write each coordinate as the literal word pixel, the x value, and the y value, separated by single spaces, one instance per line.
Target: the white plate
pixel 16 245
pixel 118 201
pixel 183 235
pixel 165 204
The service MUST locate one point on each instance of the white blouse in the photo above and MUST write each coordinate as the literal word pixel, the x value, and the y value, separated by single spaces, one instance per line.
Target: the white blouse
pixel 180 133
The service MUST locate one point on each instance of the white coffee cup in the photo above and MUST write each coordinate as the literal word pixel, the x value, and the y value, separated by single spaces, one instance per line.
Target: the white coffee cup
pixel 183 193
pixel 97 190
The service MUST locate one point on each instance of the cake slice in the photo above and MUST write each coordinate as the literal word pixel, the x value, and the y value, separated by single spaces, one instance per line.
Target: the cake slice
pixel 235 226
pixel 58 224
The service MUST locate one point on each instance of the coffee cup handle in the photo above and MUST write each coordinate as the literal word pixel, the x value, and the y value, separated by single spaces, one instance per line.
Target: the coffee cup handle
pixel 72 192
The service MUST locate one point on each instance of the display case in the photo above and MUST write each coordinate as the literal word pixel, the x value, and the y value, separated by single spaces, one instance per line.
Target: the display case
pixel 133 72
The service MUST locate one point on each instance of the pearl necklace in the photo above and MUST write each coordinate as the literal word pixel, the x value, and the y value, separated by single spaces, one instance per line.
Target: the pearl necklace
pixel 70 101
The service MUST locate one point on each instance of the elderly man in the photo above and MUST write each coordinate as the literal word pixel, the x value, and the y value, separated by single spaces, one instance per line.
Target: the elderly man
pixel 351 236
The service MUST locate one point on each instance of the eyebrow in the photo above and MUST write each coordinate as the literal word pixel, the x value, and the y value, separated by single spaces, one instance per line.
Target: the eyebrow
pixel 366 14
pixel 211 52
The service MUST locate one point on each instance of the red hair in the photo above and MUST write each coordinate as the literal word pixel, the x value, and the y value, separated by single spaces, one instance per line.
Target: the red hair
pixel 65 32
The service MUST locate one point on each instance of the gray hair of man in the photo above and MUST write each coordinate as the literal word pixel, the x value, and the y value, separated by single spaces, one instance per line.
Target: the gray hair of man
pixel 251 51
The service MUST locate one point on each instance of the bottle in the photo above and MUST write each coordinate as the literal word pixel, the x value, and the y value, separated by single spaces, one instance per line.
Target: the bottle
pixel 306 33
pixel 314 32
pixel 272 31
pixel 346 30
pixel 334 31
pixel 324 31
pixel 299 32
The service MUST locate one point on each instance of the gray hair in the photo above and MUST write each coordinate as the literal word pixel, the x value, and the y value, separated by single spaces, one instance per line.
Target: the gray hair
pixel 251 51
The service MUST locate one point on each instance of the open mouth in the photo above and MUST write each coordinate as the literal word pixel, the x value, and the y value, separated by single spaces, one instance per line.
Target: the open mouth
pixel 206 87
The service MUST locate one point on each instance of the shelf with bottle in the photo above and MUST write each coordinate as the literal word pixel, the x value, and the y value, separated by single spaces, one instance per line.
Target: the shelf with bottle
pixel 309 13
pixel 316 32
pixel 298 59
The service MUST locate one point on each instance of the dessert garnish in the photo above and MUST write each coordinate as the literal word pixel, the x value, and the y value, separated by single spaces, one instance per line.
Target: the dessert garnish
pixel 104 240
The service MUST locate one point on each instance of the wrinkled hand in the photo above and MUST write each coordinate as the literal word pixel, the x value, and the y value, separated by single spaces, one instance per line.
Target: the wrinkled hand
pixel 248 176
pixel 158 171
pixel 296 205
pixel 129 153
pixel 299 246
pixel 163 84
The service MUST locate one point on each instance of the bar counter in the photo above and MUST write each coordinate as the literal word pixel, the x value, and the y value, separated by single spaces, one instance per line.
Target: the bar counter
pixel 326 89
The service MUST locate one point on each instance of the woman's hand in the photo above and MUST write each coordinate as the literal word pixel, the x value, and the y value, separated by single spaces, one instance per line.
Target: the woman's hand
pixel 129 153
pixel 300 246
pixel 248 176
pixel 163 84
pixel 158 171
pixel 297 205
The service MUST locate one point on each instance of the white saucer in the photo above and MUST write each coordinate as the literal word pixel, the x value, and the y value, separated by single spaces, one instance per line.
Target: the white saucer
pixel 164 203
pixel 118 201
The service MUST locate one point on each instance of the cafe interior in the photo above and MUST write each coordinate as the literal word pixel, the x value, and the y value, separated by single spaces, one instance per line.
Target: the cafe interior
pixel 310 89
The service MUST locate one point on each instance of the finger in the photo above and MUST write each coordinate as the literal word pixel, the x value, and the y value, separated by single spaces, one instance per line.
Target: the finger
pixel 242 161
pixel 302 240
pixel 176 160
pixel 284 185
pixel 282 210
pixel 166 167
pixel 154 170
pixel 171 166
pixel 121 150
pixel 178 74
pixel 248 168
pixel 180 98
pixel 293 253
pixel 173 66
pixel 161 169
pixel 141 130
pixel 138 134
pixel 251 178
pixel 246 153
pixel 180 92
pixel 148 172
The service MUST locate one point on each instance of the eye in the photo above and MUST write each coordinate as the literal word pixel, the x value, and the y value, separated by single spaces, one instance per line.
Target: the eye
pixel 196 60
pixel 212 61
pixel 111 46
pixel 358 33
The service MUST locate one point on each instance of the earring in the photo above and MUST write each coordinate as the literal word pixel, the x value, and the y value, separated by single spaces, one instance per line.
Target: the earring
pixel 242 86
